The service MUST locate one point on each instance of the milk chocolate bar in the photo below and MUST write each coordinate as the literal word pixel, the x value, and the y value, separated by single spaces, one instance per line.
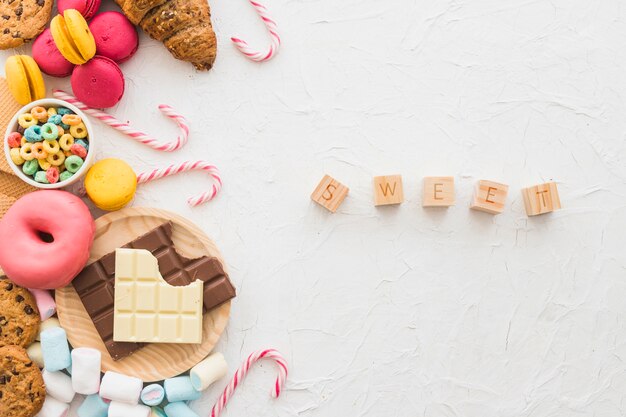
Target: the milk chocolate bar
pixel 95 285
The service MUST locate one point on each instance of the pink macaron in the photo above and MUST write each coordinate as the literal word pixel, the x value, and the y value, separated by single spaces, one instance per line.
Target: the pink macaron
pixel 99 83
pixel 48 57
pixel 87 8
pixel 116 37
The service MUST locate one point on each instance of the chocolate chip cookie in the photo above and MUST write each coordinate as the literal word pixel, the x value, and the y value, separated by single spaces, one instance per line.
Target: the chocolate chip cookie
pixel 19 317
pixel 22 391
pixel 22 20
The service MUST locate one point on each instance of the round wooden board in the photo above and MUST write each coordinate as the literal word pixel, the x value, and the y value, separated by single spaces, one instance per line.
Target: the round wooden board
pixel 155 361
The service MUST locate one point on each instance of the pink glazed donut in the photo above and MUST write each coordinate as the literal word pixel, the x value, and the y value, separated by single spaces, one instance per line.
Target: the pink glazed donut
pixel 45 239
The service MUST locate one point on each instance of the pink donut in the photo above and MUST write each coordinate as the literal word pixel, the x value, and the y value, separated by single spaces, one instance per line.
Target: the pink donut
pixel 45 239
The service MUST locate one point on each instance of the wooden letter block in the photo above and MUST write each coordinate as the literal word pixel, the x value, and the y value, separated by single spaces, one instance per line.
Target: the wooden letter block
pixel 438 192
pixel 388 190
pixel 330 193
pixel 541 199
pixel 489 197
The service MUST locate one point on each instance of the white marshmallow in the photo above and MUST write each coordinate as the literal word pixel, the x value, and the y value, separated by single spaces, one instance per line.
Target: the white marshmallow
pixel 86 370
pixel 35 354
pixel 58 385
pixel 120 388
pixel 53 408
pixel 117 409
pixel 208 371
pixel 47 324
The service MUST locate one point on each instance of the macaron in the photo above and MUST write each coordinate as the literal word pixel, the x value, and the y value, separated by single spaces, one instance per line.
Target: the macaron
pixel 111 184
pixel 73 37
pixel 99 83
pixel 24 79
pixel 87 8
pixel 48 57
pixel 116 37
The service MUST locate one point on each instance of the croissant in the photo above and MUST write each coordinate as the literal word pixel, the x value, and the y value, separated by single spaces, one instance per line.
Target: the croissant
pixel 184 27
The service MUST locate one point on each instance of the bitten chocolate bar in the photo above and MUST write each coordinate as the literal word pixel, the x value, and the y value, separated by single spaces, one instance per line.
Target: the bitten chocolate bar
pixel 95 285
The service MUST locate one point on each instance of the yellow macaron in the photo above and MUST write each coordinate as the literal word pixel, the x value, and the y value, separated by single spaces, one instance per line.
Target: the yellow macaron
pixel 24 79
pixel 72 37
pixel 111 184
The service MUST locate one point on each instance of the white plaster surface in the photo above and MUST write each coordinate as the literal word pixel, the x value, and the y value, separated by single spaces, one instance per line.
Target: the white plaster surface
pixel 404 311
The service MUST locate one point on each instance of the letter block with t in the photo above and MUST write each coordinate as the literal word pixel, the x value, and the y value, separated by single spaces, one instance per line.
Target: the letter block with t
pixel 329 193
pixel 489 197
pixel 438 192
pixel 388 190
pixel 541 199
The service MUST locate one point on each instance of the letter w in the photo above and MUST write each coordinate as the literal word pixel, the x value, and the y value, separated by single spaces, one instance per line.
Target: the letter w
pixel 388 189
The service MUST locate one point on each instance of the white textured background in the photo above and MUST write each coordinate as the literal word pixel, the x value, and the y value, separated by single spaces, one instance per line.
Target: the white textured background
pixel 404 311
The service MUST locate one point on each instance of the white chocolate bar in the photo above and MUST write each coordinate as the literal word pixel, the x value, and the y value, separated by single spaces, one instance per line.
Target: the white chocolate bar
pixel 148 309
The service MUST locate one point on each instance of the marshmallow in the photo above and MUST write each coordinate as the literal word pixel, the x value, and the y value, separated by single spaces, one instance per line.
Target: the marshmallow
pixel 93 406
pixel 48 324
pixel 157 412
pixel 120 388
pixel 56 350
pixel 180 389
pixel 208 371
pixel 45 303
pixel 179 409
pixel 117 409
pixel 58 385
pixel 153 394
pixel 86 370
pixel 35 354
pixel 53 408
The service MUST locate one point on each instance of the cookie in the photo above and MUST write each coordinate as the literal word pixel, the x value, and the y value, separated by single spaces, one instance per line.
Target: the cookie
pixel 19 317
pixel 22 21
pixel 22 390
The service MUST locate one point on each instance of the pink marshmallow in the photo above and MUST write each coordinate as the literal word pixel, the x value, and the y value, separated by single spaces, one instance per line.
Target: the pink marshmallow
pixel 45 303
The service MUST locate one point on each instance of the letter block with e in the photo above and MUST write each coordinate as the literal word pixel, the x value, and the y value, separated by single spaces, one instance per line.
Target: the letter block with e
pixel 489 197
pixel 329 193
pixel 438 192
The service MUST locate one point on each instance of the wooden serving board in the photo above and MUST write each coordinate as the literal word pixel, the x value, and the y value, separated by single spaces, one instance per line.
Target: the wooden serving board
pixel 155 361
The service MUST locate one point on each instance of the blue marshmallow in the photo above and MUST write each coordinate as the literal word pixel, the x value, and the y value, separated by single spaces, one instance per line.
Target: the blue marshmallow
pixel 180 389
pixel 55 349
pixel 93 406
pixel 153 394
pixel 179 409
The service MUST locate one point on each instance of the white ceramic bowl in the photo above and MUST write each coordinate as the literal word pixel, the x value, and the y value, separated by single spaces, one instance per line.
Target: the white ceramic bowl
pixel 50 102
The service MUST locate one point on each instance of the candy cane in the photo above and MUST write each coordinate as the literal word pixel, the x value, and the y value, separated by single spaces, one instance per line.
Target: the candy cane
pixel 271 26
pixel 129 131
pixel 243 371
pixel 187 166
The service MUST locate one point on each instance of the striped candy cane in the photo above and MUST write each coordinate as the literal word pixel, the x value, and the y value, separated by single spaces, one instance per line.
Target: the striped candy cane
pixel 271 26
pixel 129 131
pixel 187 166
pixel 243 371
